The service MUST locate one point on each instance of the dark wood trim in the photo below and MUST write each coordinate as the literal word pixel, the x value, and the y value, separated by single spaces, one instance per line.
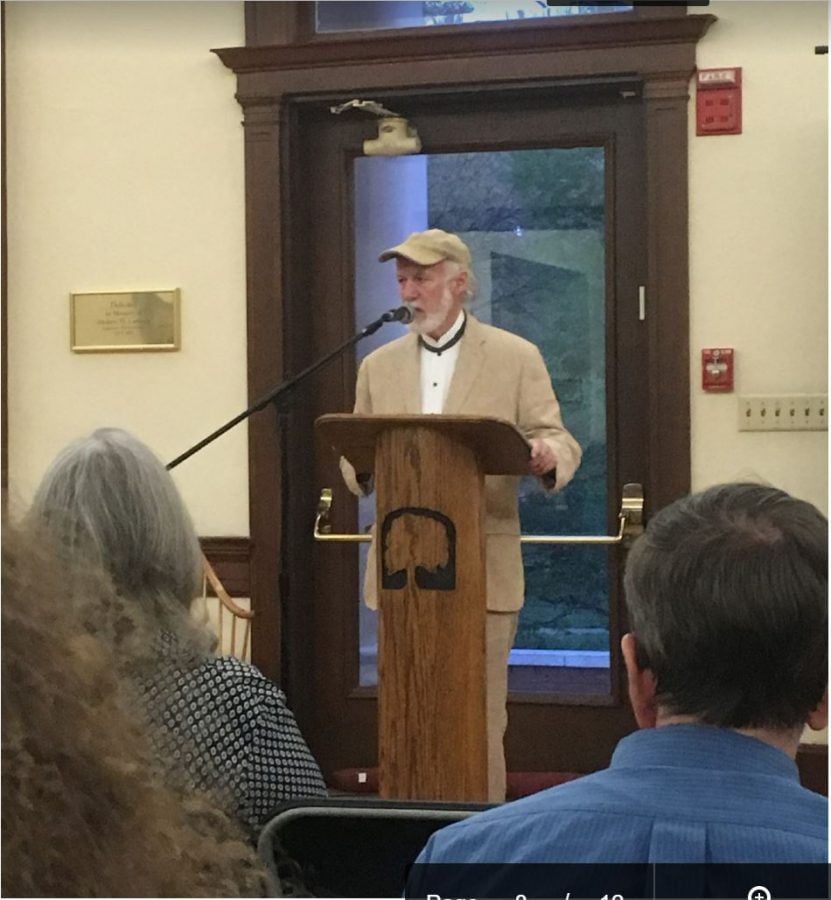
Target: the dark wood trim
pixel 4 268
pixel 812 760
pixel 667 288
pixel 275 83
pixel 231 559
pixel 468 42
pixel 278 23
pixel 276 75
pixel 264 139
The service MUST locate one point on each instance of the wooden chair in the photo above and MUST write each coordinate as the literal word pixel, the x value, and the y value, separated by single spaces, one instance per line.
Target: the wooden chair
pixel 231 621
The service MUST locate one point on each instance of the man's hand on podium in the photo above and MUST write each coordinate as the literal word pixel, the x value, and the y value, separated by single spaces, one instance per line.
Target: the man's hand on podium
pixel 543 459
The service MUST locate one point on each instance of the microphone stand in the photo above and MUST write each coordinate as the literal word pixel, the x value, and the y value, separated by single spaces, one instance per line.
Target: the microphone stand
pixel 401 314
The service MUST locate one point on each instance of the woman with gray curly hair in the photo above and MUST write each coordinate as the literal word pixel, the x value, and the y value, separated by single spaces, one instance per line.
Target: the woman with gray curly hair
pixel 224 726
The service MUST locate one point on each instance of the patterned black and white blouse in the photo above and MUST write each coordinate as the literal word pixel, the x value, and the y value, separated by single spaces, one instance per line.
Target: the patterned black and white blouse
pixel 226 728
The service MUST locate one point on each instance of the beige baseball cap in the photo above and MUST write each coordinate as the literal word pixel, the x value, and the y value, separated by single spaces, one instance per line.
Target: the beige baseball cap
pixel 426 248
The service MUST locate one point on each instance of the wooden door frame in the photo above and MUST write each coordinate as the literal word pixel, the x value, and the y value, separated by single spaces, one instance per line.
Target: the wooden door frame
pixel 320 615
pixel 271 83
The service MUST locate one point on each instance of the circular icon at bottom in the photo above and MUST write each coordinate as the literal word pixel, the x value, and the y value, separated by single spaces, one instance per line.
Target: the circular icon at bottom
pixel 760 892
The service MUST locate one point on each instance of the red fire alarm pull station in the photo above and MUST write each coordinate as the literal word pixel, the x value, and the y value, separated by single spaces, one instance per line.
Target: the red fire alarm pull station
pixel 718 101
pixel 717 369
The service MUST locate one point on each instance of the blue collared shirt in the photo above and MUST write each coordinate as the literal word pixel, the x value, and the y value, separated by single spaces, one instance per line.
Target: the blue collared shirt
pixel 674 794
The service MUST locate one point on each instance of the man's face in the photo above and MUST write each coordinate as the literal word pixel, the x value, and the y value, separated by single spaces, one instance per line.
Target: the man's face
pixel 434 295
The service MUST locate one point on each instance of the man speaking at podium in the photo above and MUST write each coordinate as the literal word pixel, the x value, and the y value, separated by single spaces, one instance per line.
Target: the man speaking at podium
pixel 453 364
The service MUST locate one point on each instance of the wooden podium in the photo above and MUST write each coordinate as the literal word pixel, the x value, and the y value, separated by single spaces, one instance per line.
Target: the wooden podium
pixel 430 540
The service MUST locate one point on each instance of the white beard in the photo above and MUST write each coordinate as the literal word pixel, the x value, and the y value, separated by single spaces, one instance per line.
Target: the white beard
pixel 424 324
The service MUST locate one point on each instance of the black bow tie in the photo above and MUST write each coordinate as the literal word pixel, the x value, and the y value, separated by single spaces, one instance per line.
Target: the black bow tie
pixel 454 340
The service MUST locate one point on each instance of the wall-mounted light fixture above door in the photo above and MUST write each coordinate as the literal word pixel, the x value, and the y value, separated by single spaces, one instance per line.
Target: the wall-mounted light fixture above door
pixel 396 136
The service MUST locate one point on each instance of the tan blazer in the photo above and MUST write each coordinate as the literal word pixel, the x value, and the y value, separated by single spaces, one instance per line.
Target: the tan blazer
pixel 497 374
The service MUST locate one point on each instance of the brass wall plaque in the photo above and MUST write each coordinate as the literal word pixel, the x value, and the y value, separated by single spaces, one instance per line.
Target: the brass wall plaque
pixel 139 321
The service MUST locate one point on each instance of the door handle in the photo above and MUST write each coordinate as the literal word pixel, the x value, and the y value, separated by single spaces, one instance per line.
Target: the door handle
pixel 630 523
pixel 323 524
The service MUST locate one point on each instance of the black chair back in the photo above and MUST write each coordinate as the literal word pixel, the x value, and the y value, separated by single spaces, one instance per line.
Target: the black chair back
pixel 351 847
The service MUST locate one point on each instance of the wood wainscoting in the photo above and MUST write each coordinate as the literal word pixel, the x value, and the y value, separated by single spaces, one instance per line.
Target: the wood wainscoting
pixel 812 760
pixel 231 559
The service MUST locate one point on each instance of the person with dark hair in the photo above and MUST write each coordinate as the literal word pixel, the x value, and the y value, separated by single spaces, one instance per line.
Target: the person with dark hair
pixel 727 601
pixel 727 662
pixel 85 812
pixel 224 726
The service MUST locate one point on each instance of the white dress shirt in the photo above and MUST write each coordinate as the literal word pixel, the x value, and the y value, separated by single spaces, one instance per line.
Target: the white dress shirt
pixel 437 368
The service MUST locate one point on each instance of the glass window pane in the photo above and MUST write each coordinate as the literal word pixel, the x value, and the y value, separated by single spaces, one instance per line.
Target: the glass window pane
pixel 340 15
pixel 535 223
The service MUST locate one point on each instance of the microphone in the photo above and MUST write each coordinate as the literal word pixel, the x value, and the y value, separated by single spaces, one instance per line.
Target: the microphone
pixel 402 314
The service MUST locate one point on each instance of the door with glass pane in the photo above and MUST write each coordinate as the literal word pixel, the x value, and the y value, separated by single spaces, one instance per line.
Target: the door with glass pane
pixel 547 194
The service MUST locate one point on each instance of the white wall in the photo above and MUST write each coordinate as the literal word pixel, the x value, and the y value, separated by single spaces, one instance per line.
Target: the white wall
pixel 759 245
pixel 759 242
pixel 125 172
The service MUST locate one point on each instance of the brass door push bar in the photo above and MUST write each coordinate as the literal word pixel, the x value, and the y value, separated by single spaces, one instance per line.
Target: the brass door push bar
pixel 630 523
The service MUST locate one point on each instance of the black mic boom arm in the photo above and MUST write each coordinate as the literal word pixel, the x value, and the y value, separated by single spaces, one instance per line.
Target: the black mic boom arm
pixel 400 314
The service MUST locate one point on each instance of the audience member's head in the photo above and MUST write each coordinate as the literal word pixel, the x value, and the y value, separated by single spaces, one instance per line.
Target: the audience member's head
pixel 727 599
pixel 83 814
pixel 110 501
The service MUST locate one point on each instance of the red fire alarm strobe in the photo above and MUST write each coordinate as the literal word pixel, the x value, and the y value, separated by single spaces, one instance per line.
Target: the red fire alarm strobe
pixel 717 369
pixel 718 101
